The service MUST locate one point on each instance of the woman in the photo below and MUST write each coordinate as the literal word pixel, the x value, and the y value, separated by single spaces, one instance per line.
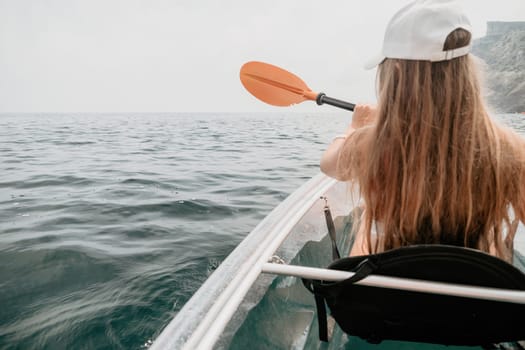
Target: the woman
pixel 431 165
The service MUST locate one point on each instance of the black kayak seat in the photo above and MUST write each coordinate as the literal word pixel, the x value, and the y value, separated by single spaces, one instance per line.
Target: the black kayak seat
pixel 376 314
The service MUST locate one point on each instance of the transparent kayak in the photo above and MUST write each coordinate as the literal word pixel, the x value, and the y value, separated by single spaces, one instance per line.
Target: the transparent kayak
pixel 240 307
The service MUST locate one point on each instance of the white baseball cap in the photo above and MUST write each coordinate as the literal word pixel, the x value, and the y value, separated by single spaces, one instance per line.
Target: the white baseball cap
pixel 418 32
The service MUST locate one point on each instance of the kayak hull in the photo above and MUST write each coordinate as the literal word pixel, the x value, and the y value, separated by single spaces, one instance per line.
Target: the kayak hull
pixel 240 307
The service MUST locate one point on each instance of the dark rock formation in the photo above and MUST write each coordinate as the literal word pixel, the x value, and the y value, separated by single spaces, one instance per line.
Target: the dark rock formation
pixel 503 50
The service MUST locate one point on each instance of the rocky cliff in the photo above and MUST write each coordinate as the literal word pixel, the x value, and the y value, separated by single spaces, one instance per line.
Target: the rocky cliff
pixel 503 51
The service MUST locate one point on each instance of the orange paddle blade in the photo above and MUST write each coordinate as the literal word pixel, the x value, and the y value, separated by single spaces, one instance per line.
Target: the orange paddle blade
pixel 274 85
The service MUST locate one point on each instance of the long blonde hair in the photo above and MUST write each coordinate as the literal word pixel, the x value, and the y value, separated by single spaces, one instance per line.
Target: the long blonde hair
pixel 435 168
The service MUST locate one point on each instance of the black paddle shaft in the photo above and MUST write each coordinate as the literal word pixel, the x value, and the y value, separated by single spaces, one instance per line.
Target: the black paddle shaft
pixel 322 99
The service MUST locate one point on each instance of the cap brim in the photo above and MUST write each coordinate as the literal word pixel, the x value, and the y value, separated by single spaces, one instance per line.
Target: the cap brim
pixel 374 61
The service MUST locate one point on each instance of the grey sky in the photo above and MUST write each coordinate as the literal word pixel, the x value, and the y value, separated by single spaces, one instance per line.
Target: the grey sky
pixel 184 56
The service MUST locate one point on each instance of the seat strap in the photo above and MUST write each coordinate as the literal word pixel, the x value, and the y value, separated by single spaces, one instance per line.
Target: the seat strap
pixel 331 229
pixel 365 268
pixel 321 317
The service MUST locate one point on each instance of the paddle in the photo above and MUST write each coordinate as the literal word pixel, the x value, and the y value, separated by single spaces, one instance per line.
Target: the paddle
pixel 279 87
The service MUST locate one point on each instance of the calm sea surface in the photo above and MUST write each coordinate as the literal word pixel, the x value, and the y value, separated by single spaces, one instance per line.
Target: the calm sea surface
pixel 109 223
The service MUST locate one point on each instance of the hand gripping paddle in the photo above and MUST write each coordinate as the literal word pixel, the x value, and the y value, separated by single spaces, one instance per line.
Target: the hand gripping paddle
pixel 279 87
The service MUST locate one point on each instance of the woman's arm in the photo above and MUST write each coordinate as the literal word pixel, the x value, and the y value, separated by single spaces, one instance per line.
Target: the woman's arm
pixel 363 115
pixel 331 155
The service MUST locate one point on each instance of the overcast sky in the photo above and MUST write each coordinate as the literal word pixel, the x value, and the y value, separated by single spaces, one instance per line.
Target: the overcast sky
pixel 185 56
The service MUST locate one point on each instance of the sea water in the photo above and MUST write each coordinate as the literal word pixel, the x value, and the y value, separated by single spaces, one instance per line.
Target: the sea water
pixel 110 222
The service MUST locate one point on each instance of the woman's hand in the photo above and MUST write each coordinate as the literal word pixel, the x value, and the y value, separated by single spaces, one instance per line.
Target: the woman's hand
pixel 363 115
